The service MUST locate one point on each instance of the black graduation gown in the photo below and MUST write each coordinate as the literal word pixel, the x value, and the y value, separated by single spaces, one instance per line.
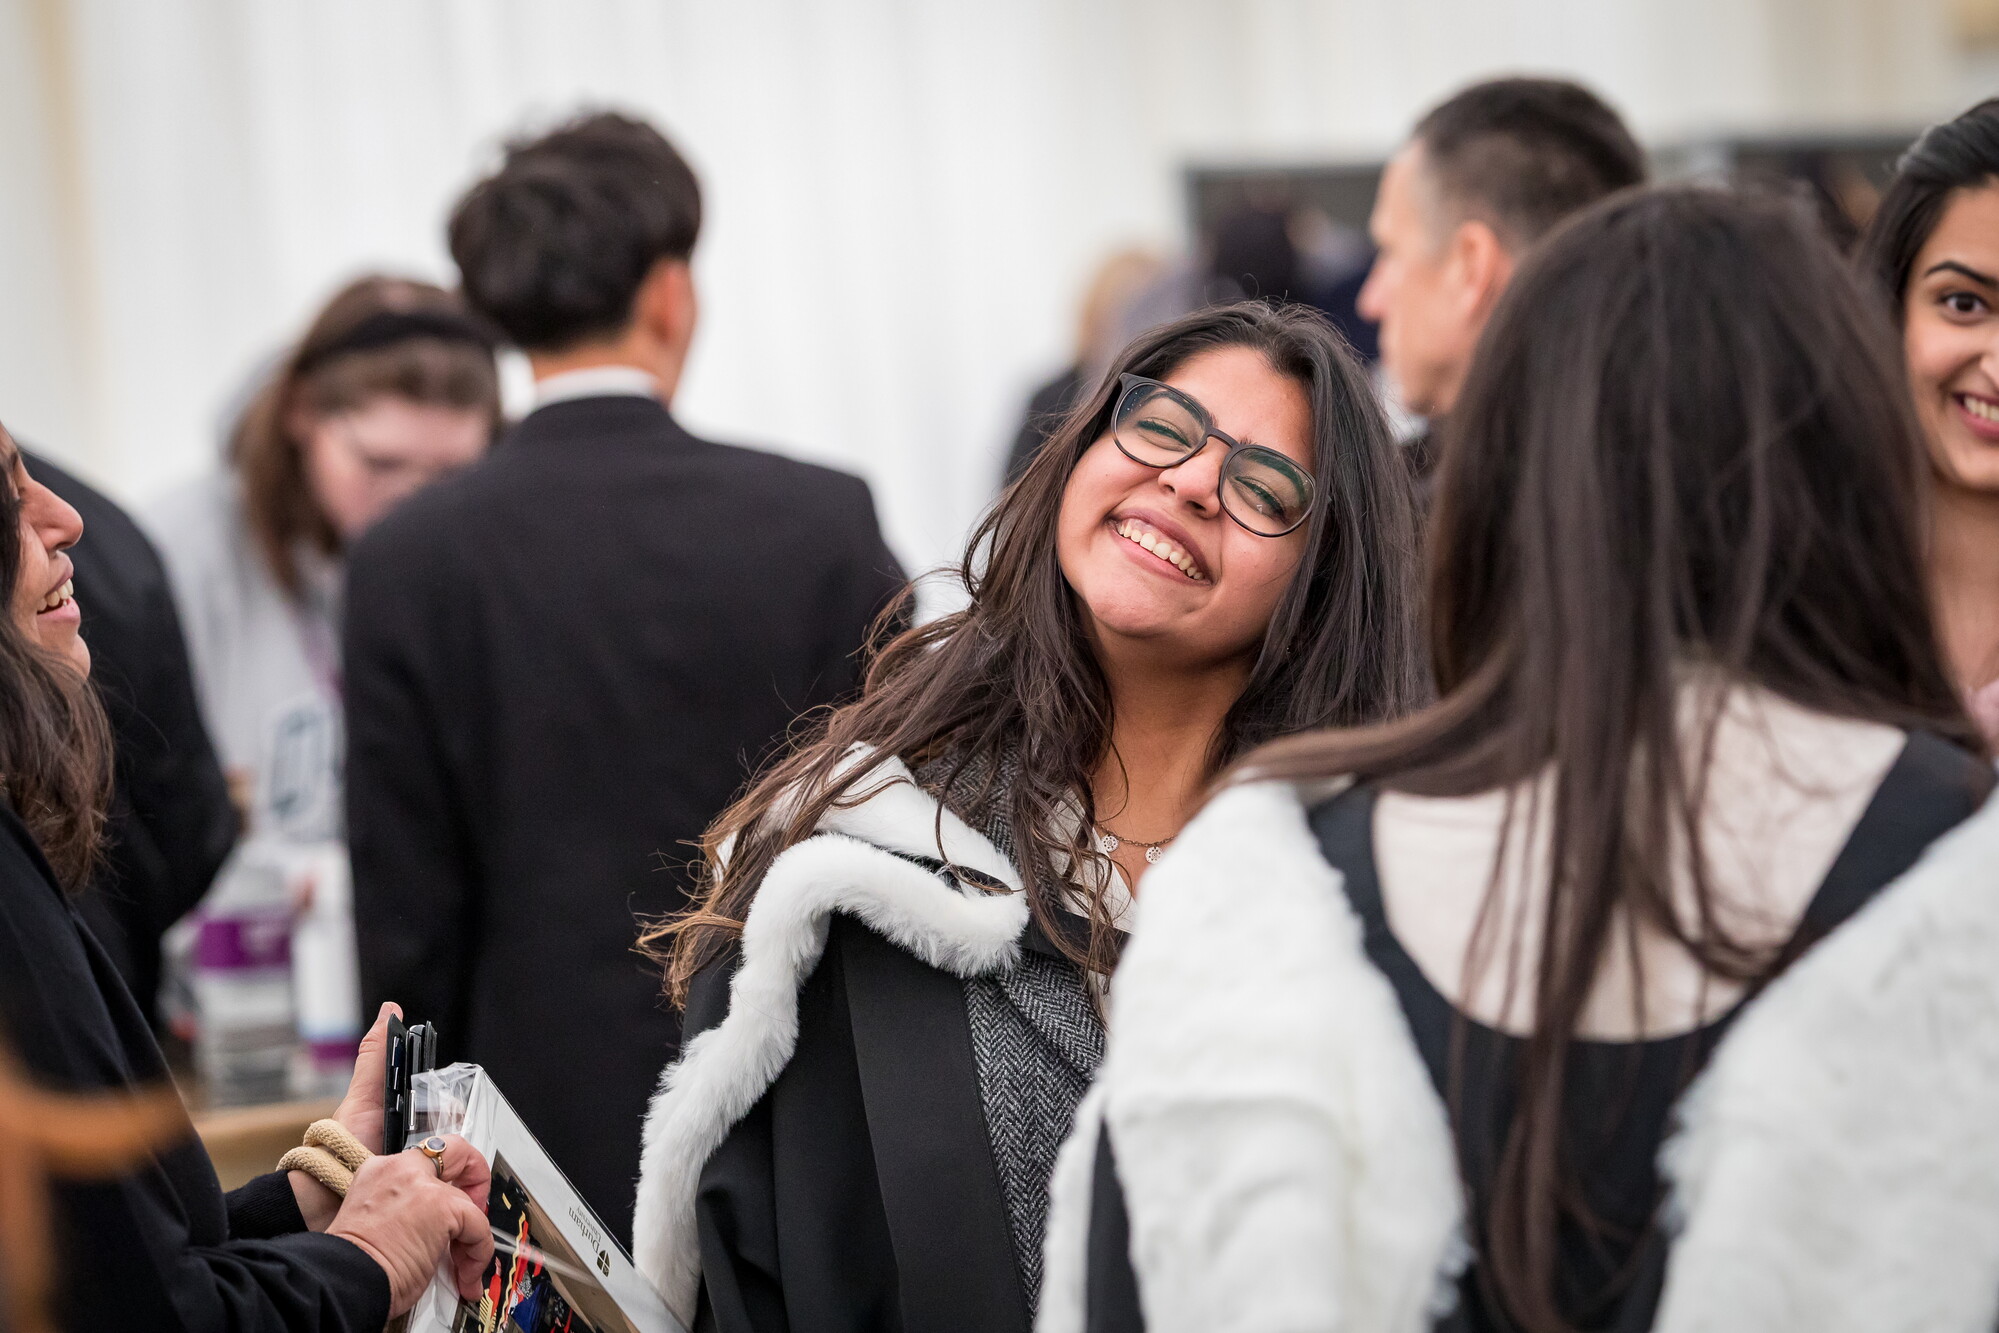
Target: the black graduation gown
pixel 561 665
pixel 161 1248
pixel 820 1212
pixel 172 823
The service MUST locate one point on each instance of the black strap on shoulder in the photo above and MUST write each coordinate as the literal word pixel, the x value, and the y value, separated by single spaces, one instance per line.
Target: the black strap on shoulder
pixel 1931 788
pixel 940 1189
pixel 1344 826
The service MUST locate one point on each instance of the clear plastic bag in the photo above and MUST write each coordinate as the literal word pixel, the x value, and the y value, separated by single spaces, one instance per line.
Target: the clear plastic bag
pixel 441 1100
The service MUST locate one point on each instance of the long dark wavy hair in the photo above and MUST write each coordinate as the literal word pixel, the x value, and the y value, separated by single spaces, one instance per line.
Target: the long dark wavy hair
pixel 1012 673
pixel 1684 442
pixel 55 745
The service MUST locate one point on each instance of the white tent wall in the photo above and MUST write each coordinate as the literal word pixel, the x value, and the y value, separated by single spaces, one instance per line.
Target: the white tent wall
pixel 904 195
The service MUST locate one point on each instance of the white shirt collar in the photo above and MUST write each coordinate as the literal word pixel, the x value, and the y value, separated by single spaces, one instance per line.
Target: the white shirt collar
pixel 595 382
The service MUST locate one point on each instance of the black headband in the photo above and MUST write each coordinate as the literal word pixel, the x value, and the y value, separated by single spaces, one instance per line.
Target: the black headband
pixel 385 328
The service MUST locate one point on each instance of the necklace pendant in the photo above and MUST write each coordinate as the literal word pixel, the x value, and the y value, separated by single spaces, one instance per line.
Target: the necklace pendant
pixel 1152 854
pixel 1107 842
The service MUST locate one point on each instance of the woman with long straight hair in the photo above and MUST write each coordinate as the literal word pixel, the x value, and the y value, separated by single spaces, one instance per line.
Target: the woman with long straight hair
pixel 1692 837
pixel 890 983
pixel 1933 246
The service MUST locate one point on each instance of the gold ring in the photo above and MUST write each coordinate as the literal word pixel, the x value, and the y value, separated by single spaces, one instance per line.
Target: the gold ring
pixel 433 1148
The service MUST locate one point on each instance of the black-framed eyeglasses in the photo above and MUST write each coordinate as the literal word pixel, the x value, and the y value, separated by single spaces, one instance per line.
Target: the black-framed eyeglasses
pixel 1157 426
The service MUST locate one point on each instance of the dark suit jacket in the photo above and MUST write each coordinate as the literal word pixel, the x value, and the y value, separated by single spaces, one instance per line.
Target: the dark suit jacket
pixel 161 1247
pixel 561 665
pixel 1045 410
pixel 171 823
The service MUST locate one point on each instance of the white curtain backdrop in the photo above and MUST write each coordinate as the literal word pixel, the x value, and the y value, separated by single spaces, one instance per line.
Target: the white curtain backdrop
pixel 904 195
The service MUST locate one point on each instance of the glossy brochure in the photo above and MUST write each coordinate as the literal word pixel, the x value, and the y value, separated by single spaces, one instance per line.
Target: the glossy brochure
pixel 556 1269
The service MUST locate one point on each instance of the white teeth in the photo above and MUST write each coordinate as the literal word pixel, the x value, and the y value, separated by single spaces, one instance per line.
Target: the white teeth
pixel 60 595
pixel 1134 531
pixel 1980 408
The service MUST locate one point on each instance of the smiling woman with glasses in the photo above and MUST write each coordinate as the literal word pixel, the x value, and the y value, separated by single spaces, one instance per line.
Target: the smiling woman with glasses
pixel 1161 427
pixel 891 983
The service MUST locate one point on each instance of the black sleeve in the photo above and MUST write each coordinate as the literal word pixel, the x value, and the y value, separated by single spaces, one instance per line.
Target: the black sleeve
pixel 128 1262
pixel 1110 1286
pixel 792 1232
pixel 150 1248
pixel 264 1208
pixel 414 872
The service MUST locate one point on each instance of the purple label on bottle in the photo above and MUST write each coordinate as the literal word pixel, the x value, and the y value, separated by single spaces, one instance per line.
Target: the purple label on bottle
pixel 244 940
pixel 334 1052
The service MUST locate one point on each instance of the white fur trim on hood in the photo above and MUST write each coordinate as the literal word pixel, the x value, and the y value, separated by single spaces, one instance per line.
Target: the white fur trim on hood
pixel 1288 1165
pixel 1837 1165
pixel 1285 1163
pixel 851 865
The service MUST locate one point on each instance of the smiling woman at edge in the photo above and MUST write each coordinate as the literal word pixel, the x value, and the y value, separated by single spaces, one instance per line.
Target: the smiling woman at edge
pixel 158 1244
pixel 889 1000
pixel 1934 248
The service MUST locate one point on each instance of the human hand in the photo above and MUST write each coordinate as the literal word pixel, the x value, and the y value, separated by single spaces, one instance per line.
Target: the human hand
pixel 360 1111
pixel 317 1204
pixel 405 1215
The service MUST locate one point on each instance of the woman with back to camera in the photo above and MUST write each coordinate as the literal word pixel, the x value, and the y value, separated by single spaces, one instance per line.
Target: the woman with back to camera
pixel 1678 844
pixel 890 984
pixel 1933 245
pixel 161 1247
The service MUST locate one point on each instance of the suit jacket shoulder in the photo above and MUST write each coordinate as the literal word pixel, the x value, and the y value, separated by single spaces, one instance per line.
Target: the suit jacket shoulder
pixel 628 443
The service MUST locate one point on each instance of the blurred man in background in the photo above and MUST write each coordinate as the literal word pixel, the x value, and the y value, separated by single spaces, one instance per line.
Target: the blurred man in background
pixel 562 663
pixel 1484 176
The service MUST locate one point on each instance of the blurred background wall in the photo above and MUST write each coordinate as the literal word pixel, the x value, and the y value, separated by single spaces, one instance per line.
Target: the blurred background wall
pixel 905 196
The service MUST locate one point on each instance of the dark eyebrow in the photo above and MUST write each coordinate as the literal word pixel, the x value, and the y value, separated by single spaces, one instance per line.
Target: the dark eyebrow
pixel 1952 266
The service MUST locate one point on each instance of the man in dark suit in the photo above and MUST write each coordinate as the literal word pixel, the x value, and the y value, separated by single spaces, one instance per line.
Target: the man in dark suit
pixel 171 823
pixel 562 663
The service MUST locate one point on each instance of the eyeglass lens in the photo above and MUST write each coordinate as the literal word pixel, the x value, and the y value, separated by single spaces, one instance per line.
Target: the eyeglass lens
pixel 1260 488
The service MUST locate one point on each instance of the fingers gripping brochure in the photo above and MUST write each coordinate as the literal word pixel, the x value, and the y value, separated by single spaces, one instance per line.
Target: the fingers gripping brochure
pixel 555 1269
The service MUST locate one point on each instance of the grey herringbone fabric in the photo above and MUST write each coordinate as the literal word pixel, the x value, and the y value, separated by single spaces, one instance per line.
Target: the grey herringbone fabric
pixel 1037 1042
pixel 1036 1037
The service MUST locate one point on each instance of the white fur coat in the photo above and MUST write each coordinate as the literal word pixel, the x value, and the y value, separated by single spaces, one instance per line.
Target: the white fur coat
pixel 850 866
pixel 1288 1165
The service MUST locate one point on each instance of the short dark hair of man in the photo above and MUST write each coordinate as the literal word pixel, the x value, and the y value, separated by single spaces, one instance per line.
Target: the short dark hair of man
pixel 553 246
pixel 1522 154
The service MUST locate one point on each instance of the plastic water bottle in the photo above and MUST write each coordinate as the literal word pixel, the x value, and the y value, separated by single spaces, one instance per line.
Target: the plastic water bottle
pixel 247 1033
pixel 326 982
